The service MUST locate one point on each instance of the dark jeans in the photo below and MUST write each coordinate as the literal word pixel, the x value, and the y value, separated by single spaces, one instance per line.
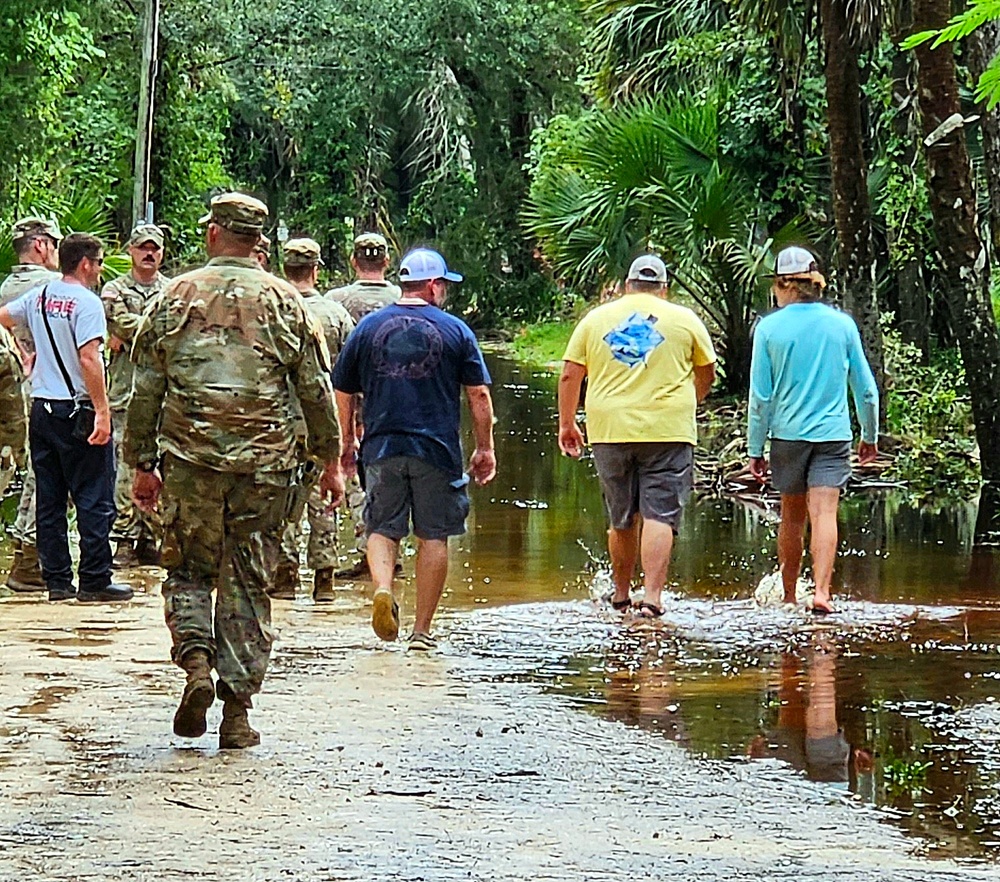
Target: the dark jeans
pixel 66 466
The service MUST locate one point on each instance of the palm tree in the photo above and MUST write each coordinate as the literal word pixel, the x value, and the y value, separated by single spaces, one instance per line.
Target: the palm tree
pixel 847 27
pixel 650 175
pixel 963 258
pixel 632 40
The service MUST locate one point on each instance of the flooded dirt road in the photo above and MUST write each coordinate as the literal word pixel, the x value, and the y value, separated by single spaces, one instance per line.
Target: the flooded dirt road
pixel 548 738
pixel 376 764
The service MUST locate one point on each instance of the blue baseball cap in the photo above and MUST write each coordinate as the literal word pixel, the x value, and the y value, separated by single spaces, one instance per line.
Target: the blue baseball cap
pixel 422 264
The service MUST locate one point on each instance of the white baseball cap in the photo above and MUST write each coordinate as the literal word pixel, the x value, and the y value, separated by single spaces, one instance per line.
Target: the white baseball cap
pixel 795 261
pixel 422 264
pixel 648 268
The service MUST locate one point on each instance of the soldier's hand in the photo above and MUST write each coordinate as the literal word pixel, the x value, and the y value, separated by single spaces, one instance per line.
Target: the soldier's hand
pixel 483 465
pixel 331 483
pixel 146 490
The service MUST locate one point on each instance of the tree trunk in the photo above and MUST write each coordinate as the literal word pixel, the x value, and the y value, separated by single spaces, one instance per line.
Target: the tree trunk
pixel 851 206
pixel 983 44
pixel 963 258
pixel 913 319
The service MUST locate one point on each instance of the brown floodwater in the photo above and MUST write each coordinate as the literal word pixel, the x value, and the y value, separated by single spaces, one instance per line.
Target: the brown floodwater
pixel 893 703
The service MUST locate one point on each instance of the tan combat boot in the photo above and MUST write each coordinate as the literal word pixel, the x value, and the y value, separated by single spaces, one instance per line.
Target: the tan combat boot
pixel 26 573
pixel 199 693
pixel 235 732
pixel 286 581
pixel 125 556
pixel 146 552
pixel 323 586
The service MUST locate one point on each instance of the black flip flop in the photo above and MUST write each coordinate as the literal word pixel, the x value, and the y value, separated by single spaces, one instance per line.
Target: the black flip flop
pixel 649 610
pixel 620 605
pixel 821 611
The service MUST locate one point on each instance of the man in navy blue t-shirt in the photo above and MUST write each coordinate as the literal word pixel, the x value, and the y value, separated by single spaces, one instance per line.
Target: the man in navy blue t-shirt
pixel 411 360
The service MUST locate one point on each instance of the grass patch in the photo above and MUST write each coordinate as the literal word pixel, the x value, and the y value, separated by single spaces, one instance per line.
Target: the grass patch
pixel 543 343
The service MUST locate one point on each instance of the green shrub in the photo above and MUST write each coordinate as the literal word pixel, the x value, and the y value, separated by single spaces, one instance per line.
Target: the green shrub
pixel 929 413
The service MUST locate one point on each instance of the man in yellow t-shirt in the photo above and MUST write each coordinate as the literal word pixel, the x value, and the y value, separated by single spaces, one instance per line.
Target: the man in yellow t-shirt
pixel 648 363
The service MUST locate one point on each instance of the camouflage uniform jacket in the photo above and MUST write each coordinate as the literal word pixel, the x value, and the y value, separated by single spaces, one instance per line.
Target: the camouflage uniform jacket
pixel 23 277
pixel 335 320
pixel 13 419
pixel 125 299
pixel 225 358
pixel 361 297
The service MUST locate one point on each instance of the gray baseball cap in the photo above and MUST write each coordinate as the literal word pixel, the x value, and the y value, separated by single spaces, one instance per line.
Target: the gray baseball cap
pixel 648 268
pixel 795 261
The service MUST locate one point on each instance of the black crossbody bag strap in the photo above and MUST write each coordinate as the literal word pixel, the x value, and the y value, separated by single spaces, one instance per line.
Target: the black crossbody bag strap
pixel 55 350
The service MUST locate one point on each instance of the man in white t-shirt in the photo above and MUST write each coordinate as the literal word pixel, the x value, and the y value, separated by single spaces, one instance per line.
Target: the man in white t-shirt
pixel 68 327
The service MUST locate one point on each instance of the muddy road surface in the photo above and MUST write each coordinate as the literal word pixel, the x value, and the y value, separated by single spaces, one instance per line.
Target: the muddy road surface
pixel 378 764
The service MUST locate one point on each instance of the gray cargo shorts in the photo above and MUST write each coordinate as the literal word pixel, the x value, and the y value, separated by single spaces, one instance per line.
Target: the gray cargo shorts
pixel 651 478
pixel 798 465
pixel 404 486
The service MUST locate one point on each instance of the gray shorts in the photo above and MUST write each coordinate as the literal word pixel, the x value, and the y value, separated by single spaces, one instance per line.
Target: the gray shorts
pixel 798 465
pixel 401 486
pixel 652 478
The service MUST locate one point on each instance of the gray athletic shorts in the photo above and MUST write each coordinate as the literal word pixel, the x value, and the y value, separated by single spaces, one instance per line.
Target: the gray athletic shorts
pixel 798 465
pixel 401 486
pixel 653 478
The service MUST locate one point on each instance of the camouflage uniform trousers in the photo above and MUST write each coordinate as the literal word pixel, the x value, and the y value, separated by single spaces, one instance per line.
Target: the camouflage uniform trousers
pixel 24 523
pixel 356 508
pixel 221 532
pixel 321 552
pixel 130 523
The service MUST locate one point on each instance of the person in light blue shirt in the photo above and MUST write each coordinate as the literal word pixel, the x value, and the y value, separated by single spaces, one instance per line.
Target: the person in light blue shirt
pixel 805 357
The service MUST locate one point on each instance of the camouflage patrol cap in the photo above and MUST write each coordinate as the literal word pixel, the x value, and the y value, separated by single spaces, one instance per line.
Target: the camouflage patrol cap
pixel 303 252
pixel 36 226
pixel 370 246
pixel 238 213
pixel 370 240
pixel 144 233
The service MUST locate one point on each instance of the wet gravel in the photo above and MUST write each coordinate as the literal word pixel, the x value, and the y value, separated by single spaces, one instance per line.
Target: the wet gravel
pixel 379 764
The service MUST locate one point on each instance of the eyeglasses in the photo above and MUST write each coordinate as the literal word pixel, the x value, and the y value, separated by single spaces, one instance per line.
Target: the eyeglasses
pixel 98 260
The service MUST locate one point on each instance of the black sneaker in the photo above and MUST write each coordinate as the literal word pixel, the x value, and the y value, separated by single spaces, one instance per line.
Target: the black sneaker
pixel 108 594
pixel 62 592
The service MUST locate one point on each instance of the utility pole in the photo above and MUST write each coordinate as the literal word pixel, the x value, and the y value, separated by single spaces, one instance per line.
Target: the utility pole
pixel 141 209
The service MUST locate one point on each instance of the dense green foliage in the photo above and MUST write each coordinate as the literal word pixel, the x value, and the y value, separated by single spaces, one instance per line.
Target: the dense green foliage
pixel 539 144
pixel 342 115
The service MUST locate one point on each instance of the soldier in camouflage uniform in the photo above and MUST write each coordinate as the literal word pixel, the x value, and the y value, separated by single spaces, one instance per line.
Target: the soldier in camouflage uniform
pixel 125 299
pixel 262 252
pixel 302 262
pixel 36 244
pixel 228 362
pixel 13 418
pixel 370 292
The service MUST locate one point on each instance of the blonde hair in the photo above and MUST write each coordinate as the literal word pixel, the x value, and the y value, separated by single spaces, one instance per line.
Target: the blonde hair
pixel 805 290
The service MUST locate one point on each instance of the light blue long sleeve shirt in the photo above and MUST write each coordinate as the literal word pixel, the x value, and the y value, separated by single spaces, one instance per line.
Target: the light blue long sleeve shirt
pixel 805 355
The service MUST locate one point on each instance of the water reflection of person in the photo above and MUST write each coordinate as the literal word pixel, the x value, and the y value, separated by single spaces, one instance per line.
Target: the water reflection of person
pixel 640 689
pixel 644 697
pixel 807 735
